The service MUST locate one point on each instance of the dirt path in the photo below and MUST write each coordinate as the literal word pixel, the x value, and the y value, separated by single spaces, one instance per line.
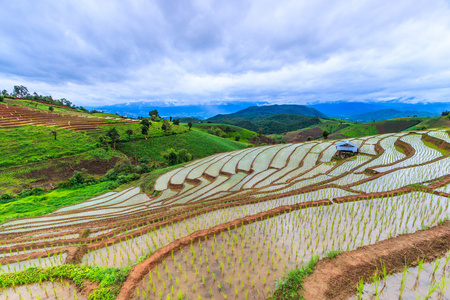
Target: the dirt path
pixel 337 278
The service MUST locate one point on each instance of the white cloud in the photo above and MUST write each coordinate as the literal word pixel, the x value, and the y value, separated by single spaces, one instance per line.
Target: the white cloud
pixel 106 52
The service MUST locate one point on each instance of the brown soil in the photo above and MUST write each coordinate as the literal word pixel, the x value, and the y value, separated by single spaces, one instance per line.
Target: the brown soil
pixel 262 139
pixel 438 142
pixel 64 168
pixel 295 137
pixel 337 278
pixel 88 287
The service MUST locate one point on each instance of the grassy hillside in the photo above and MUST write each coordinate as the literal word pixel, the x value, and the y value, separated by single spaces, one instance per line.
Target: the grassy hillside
pixel 198 143
pixel 31 157
pixel 234 131
pixel 40 106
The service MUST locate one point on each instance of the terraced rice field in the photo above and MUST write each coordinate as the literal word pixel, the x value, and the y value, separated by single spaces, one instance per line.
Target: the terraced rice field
pixel 231 225
pixel 426 281
pixel 14 116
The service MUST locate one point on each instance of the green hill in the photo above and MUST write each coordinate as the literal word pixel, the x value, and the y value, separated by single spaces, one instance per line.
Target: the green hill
pixel 272 124
pixel 256 111
pixel 227 131
pixel 198 143
pixel 386 114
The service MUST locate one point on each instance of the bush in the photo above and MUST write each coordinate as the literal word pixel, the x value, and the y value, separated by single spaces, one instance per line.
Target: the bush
pixel 237 138
pixel 127 178
pixel 177 157
pixel 125 168
pixel 77 180
pixel 219 132
pixel 2 98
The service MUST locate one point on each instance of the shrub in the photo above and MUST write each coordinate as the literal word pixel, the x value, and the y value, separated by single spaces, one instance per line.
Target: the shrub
pixel 237 138
pixel 176 157
pixel 219 132
pixel 2 98
pixel 125 168
pixel 77 180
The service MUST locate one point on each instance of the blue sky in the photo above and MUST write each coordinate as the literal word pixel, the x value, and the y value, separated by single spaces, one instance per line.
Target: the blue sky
pixel 193 52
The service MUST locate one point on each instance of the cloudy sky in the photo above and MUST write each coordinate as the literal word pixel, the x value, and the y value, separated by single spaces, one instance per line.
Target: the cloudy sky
pixel 192 52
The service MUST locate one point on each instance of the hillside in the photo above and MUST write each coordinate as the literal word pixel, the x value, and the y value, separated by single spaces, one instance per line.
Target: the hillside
pixel 344 129
pixel 41 148
pixel 252 112
pixel 271 124
pixel 231 132
pixel 386 114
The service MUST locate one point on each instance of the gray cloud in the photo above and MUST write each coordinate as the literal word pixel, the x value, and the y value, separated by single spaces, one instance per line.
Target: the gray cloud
pixel 105 52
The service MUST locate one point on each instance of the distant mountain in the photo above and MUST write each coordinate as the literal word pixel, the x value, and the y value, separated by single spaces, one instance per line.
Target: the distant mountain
pixel 272 124
pixel 386 114
pixel 345 109
pixel 252 112
pixel 141 109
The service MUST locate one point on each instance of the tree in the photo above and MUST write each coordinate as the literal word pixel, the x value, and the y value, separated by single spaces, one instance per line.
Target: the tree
pixel 260 130
pixel 237 138
pixel 129 132
pixel 5 93
pixel 325 134
pixel 2 98
pixel 146 123
pixel 228 130
pixel 190 125
pixel 170 118
pixel 176 122
pixel 171 156
pixel 174 157
pixel 20 91
pixel 51 108
pixel 166 126
pixel 144 131
pixel 153 113
pixel 309 138
pixel 54 133
pixel 183 156
pixel 113 135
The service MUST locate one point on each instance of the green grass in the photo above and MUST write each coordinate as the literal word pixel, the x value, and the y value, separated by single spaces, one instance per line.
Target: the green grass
pixel 433 146
pixel 332 254
pixel 43 107
pixel 110 279
pixel 105 115
pixel 400 149
pixel 244 134
pixel 27 144
pixel 198 143
pixel 358 130
pixel 38 205
pixel 290 287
